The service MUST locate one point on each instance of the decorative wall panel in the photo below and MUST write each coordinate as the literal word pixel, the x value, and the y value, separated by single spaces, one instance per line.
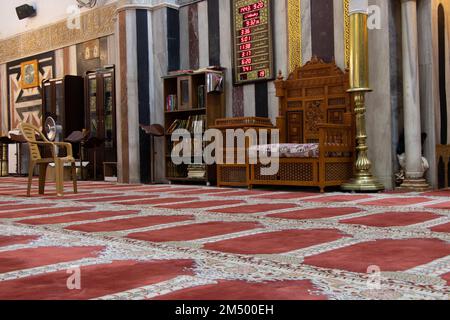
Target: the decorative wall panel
pixel 94 24
pixel 25 104
pixel 84 63
pixel 294 34
pixel 347 32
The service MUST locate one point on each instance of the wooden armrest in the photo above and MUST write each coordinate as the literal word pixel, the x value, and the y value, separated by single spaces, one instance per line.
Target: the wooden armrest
pixel 40 143
pixel 66 145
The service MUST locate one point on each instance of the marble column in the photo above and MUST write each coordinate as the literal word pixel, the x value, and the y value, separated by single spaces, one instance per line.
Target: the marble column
pixel 414 175
pixel 131 101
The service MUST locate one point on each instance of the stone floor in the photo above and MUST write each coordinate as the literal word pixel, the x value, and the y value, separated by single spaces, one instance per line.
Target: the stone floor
pixel 115 241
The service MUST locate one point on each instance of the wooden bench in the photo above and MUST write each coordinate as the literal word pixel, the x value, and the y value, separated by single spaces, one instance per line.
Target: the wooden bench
pixel 314 107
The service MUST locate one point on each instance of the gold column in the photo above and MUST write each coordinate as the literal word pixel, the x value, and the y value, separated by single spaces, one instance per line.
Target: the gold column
pixel 359 84
pixel 346 4
pixel 294 34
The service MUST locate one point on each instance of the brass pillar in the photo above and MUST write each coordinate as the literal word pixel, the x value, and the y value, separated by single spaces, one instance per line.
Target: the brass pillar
pixel 359 86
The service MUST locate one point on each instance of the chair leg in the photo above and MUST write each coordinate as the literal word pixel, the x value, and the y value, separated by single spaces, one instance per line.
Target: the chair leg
pixel 59 168
pixel 42 177
pixel 30 177
pixel 74 177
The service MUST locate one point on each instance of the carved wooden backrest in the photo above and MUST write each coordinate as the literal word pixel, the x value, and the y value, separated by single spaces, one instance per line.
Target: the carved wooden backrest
pixel 313 94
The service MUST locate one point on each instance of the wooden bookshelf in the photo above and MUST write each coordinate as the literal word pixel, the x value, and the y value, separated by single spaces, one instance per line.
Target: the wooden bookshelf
pixel 183 93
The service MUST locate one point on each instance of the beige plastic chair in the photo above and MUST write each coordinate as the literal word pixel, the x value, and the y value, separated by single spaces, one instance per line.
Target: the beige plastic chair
pixel 30 132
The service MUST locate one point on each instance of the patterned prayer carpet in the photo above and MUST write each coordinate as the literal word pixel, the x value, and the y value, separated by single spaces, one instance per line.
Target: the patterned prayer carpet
pixel 115 241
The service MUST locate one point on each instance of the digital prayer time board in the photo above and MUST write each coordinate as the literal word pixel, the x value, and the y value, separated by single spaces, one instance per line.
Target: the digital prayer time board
pixel 252 41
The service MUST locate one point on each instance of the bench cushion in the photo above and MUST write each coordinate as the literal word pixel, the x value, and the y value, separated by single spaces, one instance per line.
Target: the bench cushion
pixel 287 150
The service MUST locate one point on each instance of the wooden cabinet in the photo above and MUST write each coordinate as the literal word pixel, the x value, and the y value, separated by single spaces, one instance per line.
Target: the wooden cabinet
pixel 188 104
pixel 101 115
pixel 62 99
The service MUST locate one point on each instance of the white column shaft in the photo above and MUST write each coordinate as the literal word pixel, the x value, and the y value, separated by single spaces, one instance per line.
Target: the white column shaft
pixel 411 93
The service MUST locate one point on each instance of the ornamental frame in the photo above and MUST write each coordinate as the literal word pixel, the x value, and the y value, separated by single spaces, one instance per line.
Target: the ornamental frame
pixel 294 26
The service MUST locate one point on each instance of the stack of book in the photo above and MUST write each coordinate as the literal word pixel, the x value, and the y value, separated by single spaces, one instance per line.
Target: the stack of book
pixel 198 124
pixel 171 103
pixel 197 171
pixel 192 124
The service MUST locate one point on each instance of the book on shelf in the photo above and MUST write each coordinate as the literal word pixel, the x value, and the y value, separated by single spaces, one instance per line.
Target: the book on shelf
pixel 193 124
pixel 173 127
pixel 197 171
pixel 171 103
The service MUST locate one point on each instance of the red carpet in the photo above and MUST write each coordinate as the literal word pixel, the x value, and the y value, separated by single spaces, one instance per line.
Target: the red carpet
pixel 317 213
pixel 443 206
pixel 201 204
pixel 40 212
pixel 440 193
pixel 340 198
pixel 96 281
pixel 389 255
pixel 157 201
pixel 9 241
pixel 169 190
pixel 15 207
pixel 240 290
pixel 242 193
pixel 195 243
pixel 2 203
pixel 81 196
pixel 446 277
pixel 256 208
pixel 288 196
pixel 36 257
pixel 442 228
pixel 79 217
pixel 393 219
pixel 276 242
pixel 129 224
pixel 391 202
pixel 120 198
pixel 205 191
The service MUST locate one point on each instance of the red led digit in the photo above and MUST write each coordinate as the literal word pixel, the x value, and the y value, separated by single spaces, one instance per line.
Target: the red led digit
pixel 252 7
pixel 246 39
pixel 246 61
pixel 245 31
pixel 262 74
pixel 251 15
pixel 252 22
pixel 246 54
pixel 246 46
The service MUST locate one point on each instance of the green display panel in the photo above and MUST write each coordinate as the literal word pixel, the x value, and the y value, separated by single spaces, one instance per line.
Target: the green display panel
pixel 252 41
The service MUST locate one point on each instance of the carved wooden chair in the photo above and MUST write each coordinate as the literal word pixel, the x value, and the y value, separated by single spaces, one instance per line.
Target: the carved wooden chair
pixel 30 132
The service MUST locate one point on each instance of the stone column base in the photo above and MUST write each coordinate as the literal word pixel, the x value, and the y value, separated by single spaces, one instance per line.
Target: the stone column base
pixel 418 185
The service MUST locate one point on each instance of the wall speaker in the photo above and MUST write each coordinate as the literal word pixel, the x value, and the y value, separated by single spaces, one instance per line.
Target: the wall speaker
pixel 25 11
